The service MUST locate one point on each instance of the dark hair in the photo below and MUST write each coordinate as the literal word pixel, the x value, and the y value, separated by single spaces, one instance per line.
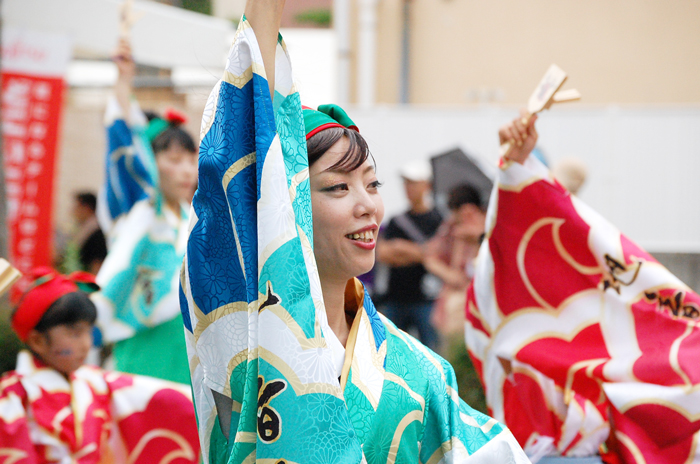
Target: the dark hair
pixel 68 309
pixel 150 115
pixel 173 135
pixel 87 199
pixel 321 142
pixel 463 194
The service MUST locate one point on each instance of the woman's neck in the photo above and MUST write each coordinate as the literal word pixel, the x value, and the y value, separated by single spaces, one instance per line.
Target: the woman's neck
pixel 173 205
pixel 334 301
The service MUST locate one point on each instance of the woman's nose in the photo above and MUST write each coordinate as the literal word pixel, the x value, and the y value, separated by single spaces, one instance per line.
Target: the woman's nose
pixel 366 205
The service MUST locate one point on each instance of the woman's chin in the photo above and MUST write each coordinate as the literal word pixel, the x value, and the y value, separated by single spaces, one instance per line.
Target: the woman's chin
pixel 364 268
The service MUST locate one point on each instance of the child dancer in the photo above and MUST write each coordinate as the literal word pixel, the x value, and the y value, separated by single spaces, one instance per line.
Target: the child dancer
pixel 56 409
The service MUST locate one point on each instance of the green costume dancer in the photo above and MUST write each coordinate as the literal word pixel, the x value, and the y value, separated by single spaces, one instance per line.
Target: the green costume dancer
pixel 150 177
pixel 290 361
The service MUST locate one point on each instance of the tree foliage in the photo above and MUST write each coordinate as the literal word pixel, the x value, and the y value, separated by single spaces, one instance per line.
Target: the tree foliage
pixel 320 17
pixel 199 6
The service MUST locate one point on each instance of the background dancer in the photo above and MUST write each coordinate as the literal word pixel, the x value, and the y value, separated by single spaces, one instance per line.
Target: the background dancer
pixel 450 256
pixel 151 174
pixel 585 343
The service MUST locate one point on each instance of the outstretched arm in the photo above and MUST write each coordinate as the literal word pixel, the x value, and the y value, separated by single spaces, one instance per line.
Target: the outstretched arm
pixel 397 252
pixel 265 16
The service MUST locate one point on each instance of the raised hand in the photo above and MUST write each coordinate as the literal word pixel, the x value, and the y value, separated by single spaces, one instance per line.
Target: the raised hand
pixel 265 16
pixel 127 70
pixel 124 60
pixel 521 135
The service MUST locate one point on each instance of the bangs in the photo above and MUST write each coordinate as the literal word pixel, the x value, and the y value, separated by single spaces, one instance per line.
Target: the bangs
pixel 69 309
pixel 356 154
pixel 173 135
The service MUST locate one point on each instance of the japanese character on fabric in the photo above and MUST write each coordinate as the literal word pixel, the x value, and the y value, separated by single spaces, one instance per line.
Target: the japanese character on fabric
pixel 579 335
pixel 250 293
pixel 95 416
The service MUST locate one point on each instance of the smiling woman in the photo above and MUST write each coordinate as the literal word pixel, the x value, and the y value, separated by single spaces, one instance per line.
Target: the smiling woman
pixel 290 360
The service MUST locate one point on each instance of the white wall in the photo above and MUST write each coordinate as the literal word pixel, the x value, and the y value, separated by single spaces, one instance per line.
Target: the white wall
pixel 314 60
pixel 644 162
pixel 163 35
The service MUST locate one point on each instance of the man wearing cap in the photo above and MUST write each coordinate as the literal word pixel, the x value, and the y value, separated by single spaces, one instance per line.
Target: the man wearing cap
pixel 411 289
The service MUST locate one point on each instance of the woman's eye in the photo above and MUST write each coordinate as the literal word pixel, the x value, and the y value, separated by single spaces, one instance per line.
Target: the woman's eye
pixel 375 185
pixel 336 188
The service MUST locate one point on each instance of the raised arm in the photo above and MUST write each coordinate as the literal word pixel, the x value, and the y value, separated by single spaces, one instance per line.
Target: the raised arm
pixel 265 16
pixel 129 165
pixel 127 70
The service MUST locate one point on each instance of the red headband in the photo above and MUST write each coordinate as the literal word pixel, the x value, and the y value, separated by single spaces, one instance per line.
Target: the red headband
pixel 47 288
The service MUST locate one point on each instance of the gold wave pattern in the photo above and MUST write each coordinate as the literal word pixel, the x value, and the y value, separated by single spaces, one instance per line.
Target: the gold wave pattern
pixel 407 419
pixel 673 355
pixel 13 455
pixel 185 450
pixel 291 376
pixel 631 447
pixel 667 404
pixel 230 173
pixel 556 224
pixel 589 365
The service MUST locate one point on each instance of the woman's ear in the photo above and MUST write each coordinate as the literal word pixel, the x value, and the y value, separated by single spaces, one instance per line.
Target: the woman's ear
pixel 38 342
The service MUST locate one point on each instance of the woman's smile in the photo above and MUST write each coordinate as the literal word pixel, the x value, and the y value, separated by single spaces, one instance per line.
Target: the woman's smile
pixel 364 238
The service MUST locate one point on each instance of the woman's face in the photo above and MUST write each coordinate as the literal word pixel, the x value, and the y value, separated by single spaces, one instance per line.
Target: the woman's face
pixel 347 212
pixel 177 173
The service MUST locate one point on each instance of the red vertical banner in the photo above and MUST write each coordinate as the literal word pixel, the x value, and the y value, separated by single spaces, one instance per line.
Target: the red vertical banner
pixel 33 68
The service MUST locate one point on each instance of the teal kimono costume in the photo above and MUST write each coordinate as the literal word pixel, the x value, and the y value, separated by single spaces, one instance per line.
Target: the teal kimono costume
pixel 266 385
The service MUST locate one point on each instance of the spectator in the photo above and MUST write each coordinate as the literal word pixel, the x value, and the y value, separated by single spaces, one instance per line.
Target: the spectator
pixel 89 239
pixel 450 256
pixel 411 289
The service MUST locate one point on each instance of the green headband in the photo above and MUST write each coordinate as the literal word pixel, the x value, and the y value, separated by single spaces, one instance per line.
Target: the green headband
pixel 325 117
pixel 155 127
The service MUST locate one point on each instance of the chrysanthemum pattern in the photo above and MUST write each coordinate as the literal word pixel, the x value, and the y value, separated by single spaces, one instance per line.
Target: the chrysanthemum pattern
pixel 129 168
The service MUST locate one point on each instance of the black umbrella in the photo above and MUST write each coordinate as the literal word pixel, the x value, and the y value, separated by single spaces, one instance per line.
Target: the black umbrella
pixel 454 168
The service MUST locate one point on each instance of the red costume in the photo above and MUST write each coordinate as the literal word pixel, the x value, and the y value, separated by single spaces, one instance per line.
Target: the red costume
pixel 93 416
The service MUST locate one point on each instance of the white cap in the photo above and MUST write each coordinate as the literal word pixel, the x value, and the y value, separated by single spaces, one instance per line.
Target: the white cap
pixel 417 171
